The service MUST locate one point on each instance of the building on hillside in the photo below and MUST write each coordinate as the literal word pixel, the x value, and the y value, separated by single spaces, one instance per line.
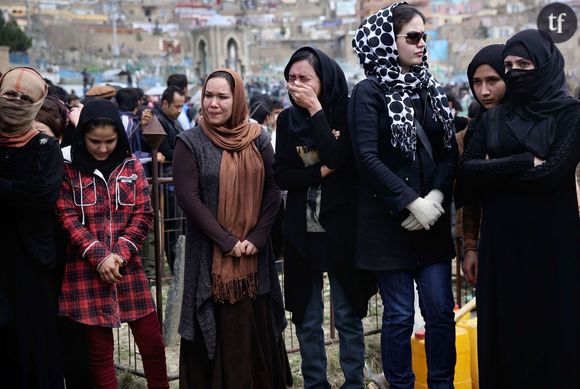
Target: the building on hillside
pixel 219 46
pixel 365 8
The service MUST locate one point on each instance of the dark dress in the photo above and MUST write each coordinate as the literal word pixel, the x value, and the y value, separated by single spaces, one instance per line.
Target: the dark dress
pixel 226 345
pixel 30 181
pixel 528 289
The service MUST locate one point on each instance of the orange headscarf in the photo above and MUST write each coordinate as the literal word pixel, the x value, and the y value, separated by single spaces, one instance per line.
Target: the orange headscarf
pixel 241 184
pixel 17 116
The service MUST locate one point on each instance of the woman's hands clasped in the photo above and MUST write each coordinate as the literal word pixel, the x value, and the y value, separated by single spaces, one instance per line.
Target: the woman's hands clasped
pixel 424 211
pixel 109 269
pixel 243 248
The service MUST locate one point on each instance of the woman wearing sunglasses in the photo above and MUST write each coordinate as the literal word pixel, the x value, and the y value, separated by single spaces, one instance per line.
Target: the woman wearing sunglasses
pixel 406 154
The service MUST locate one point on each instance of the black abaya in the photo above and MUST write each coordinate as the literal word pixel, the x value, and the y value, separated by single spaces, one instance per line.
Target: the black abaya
pixel 528 289
pixel 30 180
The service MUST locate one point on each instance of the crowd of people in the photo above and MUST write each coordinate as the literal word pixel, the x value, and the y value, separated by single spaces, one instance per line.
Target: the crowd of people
pixel 361 188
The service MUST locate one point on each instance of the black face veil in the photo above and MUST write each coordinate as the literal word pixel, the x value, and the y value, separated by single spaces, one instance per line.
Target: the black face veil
pixel 536 95
pixel 544 90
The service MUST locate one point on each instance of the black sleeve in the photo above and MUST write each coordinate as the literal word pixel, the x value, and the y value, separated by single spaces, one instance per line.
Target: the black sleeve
pixel 289 172
pixel 271 198
pixel 475 164
pixel 32 196
pixel 332 151
pixel 447 160
pixel 166 148
pixel 186 179
pixel 364 107
pixel 562 159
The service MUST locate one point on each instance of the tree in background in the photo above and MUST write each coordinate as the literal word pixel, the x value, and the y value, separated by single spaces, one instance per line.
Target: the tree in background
pixel 12 36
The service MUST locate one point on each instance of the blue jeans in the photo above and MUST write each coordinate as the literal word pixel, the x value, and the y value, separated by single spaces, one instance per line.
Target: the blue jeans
pixel 311 338
pixel 436 302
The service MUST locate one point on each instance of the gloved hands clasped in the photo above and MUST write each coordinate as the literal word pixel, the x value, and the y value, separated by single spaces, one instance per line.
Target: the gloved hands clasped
pixel 424 211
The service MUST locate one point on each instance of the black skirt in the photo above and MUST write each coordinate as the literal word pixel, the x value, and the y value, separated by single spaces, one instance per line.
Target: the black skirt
pixel 248 353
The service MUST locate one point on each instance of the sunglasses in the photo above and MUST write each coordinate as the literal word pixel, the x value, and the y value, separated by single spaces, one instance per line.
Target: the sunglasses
pixel 414 37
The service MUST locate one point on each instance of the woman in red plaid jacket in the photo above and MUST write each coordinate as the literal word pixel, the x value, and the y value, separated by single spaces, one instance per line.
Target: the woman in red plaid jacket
pixel 105 207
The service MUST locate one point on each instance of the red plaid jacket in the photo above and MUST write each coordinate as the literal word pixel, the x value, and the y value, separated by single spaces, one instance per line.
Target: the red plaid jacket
pixel 103 218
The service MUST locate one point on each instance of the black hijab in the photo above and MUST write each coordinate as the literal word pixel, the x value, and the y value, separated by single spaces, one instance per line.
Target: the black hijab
pixel 536 95
pixel 490 55
pixel 80 157
pixel 546 84
pixel 333 95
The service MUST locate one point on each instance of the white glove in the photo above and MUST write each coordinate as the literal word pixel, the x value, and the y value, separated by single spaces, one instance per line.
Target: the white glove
pixel 437 197
pixel 425 211
pixel 411 223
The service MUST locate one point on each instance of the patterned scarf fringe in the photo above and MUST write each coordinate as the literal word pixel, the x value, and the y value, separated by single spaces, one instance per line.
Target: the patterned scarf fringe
pixel 234 290
pixel 448 126
pixel 404 137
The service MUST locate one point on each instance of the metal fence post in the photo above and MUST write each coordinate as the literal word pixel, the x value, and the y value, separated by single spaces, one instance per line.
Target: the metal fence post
pixel 154 135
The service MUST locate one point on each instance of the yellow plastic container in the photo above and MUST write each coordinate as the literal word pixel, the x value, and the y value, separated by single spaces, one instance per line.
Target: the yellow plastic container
pixel 466 316
pixel 462 379
pixel 471 326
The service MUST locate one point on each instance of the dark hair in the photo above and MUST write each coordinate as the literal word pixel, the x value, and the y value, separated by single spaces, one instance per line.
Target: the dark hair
pixel 127 99
pixel 99 121
pixel 454 102
pixel 178 80
pixel 403 14
pixel 140 92
pixel 58 92
pixel 54 114
pixel 277 104
pixel 301 55
pixel 260 108
pixel 225 75
pixel 170 92
pixel 474 109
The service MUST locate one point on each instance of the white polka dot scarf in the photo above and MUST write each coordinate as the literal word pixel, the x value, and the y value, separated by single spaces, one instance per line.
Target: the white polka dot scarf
pixel 374 43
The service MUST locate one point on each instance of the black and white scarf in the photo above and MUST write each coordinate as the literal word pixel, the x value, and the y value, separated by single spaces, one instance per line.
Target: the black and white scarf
pixel 375 45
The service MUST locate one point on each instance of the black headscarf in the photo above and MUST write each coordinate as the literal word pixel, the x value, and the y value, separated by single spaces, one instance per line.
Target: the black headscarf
pixel 536 96
pixel 490 55
pixel 519 50
pixel 546 91
pixel 80 157
pixel 333 96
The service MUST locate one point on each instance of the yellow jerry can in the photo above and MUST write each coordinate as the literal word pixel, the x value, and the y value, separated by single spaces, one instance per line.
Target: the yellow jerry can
pixel 462 379
pixel 471 326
